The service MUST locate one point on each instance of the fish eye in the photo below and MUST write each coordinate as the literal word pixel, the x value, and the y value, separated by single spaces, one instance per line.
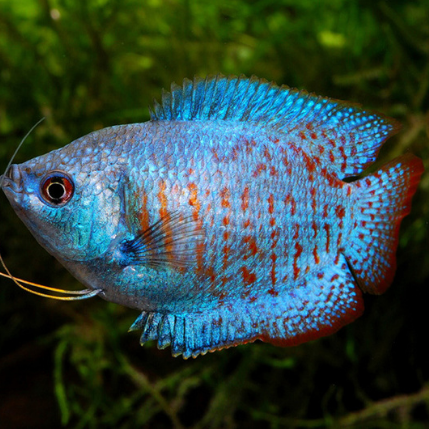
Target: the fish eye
pixel 57 188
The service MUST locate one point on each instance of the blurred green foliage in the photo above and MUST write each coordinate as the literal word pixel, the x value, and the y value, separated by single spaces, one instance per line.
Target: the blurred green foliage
pixel 89 64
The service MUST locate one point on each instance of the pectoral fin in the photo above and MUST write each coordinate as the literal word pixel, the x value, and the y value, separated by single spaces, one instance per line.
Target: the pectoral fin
pixel 173 241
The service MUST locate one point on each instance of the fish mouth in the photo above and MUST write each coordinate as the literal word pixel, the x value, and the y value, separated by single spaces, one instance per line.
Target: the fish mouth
pixel 11 181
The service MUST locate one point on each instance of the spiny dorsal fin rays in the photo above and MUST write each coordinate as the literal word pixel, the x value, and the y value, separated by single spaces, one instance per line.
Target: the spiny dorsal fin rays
pixel 341 134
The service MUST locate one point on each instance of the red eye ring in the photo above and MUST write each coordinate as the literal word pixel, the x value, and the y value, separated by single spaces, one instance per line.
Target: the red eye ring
pixel 57 188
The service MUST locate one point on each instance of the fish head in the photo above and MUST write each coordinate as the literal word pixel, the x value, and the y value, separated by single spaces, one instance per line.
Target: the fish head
pixel 69 198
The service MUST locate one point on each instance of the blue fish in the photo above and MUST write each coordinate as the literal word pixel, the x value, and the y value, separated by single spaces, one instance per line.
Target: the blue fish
pixel 225 218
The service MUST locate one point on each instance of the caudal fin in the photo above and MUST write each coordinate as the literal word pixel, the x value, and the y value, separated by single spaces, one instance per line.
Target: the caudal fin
pixel 384 200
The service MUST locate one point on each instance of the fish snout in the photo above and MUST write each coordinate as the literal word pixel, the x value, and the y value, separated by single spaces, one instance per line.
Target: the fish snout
pixel 12 179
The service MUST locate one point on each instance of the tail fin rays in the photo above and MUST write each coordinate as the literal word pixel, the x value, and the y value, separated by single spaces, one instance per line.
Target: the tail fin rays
pixel 384 200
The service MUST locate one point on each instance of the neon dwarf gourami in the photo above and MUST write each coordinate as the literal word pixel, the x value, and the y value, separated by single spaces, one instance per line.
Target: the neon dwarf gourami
pixel 226 217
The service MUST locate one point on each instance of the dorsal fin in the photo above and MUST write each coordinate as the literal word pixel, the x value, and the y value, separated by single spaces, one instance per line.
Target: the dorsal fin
pixel 340 133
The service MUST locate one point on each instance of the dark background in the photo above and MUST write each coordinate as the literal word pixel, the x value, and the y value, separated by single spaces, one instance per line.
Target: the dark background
pixel 85 65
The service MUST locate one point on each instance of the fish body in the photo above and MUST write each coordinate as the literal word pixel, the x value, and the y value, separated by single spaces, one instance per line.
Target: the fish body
pixel 225 218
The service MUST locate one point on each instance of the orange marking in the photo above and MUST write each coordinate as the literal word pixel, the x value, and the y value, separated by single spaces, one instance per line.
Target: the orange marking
pixel 162 199
pixel 313 199
pixel 314 226
pixel 296 270
pixel 144 213
pixel 328 236
pixel 215 154
pixel 325 210
pixel 225 220
pixel 248 277
pixel 226 250
pixel 289 200
pixel 271 204
pixel 273 269
pixel 208 209
pixel 225 194
pixel 259 169
pixel 340 211
pixel 210 273
pixel 296 235
pixel 316 255
pixel 193 200
pixel 200 252
pixel 311 166
pixel 272 222
pixel 313 136
pixel 302 135
pixel 274 234
pixel 253 247
pixel 273 171
pixel 246 223
pixel 339 239
pixel 245 199
pixel 309 126
pixel 249 146
pixel 163 212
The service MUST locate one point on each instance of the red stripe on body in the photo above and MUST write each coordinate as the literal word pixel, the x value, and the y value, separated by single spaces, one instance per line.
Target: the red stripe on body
pixel 290 201
pixel 225 195
pixel 313 199
pixel 296 270
pixel 144 213
pixel 271 204
pixel 245 199
pixel 316 255
pixel 327 228
pixel 163 212
pixel 248 277
pixel 162 199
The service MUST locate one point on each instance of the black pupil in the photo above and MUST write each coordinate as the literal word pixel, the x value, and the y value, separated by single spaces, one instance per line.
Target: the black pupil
pixel 56 190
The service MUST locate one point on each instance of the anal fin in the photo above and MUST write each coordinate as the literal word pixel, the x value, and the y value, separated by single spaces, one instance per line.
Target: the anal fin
pixel 323 302
pixel 318 305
